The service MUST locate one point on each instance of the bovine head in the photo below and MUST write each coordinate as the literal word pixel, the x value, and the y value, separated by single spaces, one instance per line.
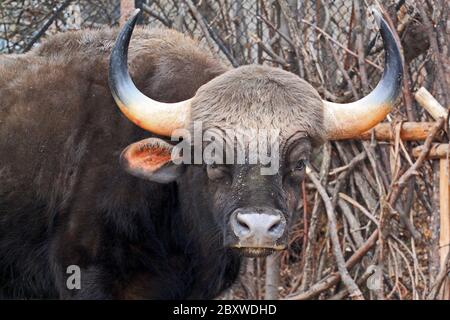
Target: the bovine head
pixel 251 201
pixel 247 136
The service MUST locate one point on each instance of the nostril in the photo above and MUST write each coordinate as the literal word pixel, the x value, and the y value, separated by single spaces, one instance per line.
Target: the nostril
pixel 242 223
pixel 275 226
pixel 241 227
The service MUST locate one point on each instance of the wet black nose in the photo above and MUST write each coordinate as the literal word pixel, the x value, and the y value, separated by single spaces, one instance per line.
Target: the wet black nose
pixel 258 227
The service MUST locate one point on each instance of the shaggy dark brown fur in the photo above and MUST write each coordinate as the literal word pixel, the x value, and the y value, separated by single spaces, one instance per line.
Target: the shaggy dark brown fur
pixel 63 197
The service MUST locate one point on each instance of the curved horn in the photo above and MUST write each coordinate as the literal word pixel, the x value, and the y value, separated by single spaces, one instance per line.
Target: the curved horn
pixel 344 121
pixel 157 117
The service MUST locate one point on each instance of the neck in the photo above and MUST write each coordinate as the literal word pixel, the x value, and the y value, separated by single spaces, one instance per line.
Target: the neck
pixel 214 267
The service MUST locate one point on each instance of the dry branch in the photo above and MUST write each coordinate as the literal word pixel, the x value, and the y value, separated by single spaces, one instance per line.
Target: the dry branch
pixel 409 131
pixel 350 284
pixel 401 183
pixel 334 279
pixel 437 151
pixel 429 103
pixel 47 25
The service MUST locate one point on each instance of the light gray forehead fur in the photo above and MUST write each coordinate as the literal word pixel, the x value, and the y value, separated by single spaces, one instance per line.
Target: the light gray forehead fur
pixel 260 97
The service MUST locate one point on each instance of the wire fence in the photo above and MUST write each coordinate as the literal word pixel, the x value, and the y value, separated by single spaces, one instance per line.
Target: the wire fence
pixel 241 31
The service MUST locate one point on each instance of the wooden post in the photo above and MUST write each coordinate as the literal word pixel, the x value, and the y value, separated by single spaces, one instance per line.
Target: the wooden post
pixel 126 8
pixel 439 151
pixel 444 236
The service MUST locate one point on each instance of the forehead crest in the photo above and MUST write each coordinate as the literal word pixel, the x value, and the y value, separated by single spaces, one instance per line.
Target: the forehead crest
pixel 260 97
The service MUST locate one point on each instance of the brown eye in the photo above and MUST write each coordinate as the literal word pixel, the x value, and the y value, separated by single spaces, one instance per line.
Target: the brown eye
pixel 300 165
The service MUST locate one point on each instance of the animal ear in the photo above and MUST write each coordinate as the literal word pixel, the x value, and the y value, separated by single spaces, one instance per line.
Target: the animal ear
pixel 151 159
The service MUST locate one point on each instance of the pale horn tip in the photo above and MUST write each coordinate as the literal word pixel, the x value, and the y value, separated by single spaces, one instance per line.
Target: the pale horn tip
pixel 377 15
